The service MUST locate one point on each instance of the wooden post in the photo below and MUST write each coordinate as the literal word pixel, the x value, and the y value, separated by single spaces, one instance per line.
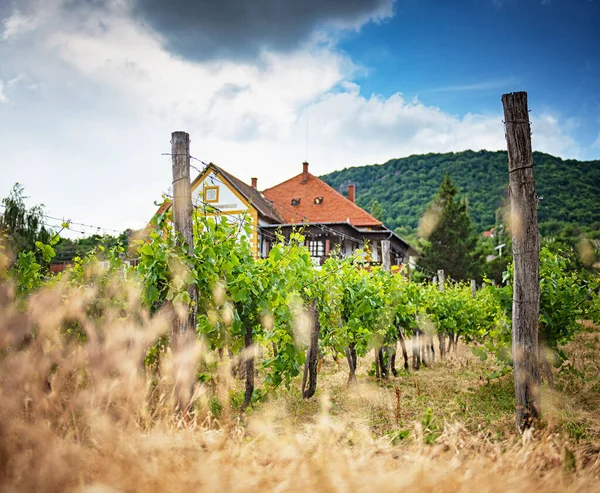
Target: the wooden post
pixel 416 349
pixel 526 246
pixel 182 193
pixel 441 278
pixel 382 351
pixel 312 354
pixel 474 288
pixel 386 254
pixel 182 210
pixel 442 335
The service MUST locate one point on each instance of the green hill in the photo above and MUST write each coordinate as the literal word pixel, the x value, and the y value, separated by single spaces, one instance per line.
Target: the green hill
pixel 570 188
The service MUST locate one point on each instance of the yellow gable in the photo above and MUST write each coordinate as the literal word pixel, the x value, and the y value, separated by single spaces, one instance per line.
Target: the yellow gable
pixel 213 190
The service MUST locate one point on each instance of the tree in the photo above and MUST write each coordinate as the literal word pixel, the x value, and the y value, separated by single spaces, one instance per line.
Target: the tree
pixel 376 210
pixel 22 227
pixel 446 226
pixel 67 249
pixel 498 246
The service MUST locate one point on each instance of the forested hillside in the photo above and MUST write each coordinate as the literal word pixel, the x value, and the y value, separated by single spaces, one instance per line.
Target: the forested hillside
pixel 570 188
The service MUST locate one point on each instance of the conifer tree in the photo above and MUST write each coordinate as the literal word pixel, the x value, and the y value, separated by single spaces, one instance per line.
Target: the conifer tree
pixel 447 228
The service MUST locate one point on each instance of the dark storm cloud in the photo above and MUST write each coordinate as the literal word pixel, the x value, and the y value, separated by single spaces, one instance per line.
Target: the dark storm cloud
pixel 206 29
pixel 211 29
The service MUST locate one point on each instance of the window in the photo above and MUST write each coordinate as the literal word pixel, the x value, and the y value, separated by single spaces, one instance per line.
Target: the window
pixel 318 200
pixel 316 248
pixel 211 194
pixel 295 201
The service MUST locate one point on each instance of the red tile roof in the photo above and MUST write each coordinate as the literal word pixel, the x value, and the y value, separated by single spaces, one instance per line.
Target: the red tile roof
pixel 334 207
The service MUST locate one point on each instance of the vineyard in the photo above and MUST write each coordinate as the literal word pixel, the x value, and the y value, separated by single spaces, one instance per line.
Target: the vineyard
pixel 98 362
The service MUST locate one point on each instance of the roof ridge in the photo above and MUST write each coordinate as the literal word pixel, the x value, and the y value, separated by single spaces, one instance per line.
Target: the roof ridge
pixel 329 188
pixel 250 193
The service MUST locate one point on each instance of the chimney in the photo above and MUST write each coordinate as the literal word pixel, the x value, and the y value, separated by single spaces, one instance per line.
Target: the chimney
pixel 254 183
pixel 304 172
pixel 351 193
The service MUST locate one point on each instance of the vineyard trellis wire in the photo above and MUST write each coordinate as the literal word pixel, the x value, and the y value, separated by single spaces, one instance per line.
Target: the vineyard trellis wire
pixel 358 309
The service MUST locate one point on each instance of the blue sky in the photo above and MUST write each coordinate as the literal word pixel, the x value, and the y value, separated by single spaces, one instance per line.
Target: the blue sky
pixel 462 55
pixel 91 91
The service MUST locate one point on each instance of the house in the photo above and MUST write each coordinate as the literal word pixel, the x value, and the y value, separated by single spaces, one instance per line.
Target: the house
pixel 218 193
pixel 330 221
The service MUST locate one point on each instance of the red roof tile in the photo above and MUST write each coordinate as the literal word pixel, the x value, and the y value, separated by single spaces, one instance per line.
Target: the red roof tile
pixel 334 207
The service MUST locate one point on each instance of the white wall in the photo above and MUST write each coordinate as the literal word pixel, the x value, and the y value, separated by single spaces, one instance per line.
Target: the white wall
pixel 228 201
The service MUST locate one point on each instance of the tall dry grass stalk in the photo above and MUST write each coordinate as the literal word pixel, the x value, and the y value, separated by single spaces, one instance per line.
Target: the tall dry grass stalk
pixel 86 415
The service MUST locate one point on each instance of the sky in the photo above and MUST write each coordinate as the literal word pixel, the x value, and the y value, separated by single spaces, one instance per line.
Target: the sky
pixel 90 90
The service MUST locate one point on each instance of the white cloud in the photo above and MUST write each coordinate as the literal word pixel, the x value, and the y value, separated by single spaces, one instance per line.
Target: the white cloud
pixel 89 145
pixel 18 24
pixel 2 95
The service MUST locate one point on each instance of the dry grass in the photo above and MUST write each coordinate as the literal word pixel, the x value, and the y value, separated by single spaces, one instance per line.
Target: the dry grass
pixel 86 417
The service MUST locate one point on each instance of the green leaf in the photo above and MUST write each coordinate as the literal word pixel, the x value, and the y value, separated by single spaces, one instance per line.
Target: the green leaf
pixel 147 250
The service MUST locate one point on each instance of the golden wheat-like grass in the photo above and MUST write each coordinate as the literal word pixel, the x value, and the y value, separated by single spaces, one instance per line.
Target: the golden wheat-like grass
pixel 87 416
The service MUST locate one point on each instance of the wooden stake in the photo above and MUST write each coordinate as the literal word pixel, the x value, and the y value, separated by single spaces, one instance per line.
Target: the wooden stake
pixel 182 211
pixel 386 254
pixel 312 355
pixel 442 335
pixel 182 193
pixel 526 246
pixel 381 366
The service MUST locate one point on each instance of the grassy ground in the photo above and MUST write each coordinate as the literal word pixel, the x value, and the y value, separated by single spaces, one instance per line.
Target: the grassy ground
pixel 455 391
pixel 84 417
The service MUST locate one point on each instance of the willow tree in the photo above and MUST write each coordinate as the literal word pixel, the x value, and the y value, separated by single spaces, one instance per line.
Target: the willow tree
pixel 22 227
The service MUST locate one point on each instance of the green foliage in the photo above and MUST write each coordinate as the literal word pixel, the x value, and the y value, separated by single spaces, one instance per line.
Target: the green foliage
pixel 376 210
pixel 359 306
pixel 23 228
pixel 27 273
pixel 450 242
pixel 432 428
pixel 404 187
pixel 563 300
pixel 67 249
pixel 566 298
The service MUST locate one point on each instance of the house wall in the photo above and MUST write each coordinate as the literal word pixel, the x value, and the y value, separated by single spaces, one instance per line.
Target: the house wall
pixel 228 201
pixel 230 204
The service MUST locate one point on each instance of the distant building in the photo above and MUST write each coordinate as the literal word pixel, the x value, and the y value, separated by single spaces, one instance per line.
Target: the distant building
pixel 330 220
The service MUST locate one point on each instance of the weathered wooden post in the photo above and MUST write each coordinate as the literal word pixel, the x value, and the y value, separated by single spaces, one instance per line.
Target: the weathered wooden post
pixel 474 288
pixel 184 324
pixel 416 349
pixel 386 254
pixel 182 216
pixel 526 246
pixel 312 354
pixel 442 335
pixel 382 367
